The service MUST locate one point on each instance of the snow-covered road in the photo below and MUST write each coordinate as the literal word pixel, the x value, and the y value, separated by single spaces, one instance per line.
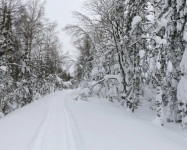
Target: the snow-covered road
pixel 57 122
pixel 57 129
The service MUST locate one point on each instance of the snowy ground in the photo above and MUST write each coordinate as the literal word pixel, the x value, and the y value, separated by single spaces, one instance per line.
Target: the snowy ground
pixel 57 122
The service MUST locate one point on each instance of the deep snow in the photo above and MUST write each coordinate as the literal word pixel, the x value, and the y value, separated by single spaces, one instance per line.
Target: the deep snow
pixel 57 122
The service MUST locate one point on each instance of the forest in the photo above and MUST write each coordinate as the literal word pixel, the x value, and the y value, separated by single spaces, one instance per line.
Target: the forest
pixel 30 59
pixel 130 51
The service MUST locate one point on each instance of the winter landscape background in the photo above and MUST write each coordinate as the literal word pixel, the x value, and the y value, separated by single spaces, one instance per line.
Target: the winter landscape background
pixel 126 66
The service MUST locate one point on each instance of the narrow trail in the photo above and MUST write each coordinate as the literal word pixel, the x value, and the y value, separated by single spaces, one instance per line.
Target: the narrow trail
pixel 58 129
pixel 73 136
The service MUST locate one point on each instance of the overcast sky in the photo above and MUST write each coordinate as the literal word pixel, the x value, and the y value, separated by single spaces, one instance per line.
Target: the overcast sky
pixel 61 12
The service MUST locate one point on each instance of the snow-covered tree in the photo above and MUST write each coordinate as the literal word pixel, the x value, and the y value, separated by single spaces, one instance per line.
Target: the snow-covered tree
pixel 30 63
pixel 182 87
pixel 140 43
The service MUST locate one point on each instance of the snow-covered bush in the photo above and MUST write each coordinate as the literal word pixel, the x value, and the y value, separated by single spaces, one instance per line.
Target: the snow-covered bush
pixel 67 85
pixel 84 94
pixel 28 91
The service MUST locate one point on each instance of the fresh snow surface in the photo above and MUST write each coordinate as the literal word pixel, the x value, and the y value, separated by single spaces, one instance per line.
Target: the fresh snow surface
pixel 57 122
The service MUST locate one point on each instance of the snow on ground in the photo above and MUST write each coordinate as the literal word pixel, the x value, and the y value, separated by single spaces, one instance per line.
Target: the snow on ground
pixel 57 122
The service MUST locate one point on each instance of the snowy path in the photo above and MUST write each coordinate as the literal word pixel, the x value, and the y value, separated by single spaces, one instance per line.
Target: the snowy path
pixel 57 130
pixel 57 122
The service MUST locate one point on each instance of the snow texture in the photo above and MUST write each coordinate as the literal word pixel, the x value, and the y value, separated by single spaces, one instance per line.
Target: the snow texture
pixel 185 36
pixel 117 77
pixel 183 64
pixel 151 18
pixel 85 91
pixel 158 65
pixel 135 21
pixel 57 122
pixel 182 90
pixel 1 115
pixel 141 53
pixel 170 66
pixel 162 23
pixel 160 41
pixel 3 68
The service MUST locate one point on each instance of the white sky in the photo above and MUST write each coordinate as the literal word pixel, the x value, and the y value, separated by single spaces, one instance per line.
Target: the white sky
pixel 61 12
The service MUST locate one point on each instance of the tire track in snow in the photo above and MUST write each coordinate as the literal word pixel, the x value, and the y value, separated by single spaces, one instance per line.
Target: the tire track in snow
pixel 58 129
pixel 51 133
pixel 72 131
pixel 37 141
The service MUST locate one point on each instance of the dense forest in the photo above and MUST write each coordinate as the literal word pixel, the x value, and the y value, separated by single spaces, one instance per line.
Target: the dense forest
pixel 131 52
pixel 30 59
